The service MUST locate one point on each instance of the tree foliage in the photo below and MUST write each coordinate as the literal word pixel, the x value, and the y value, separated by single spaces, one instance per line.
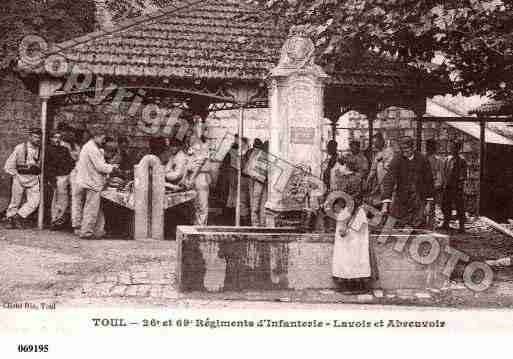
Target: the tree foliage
pixel 55 20
pixel 472 38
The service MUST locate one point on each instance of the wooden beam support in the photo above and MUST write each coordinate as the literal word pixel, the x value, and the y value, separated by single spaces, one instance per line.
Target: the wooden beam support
pixel 466 119
pixel 47 89
pixel 42 179
pixel 482 164
pixel 418 131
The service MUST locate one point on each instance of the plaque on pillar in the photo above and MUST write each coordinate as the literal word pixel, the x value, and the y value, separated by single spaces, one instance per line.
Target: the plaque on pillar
pixel 296 89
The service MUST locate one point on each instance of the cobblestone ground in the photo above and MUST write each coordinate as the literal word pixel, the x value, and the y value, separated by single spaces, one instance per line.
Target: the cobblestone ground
pixel 144 281
pixel 56 265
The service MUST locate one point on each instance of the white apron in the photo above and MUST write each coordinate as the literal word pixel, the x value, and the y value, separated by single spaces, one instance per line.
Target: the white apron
pixel 351 255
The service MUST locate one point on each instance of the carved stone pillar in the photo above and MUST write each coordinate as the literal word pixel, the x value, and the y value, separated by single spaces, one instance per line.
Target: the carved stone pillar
pixel 296 91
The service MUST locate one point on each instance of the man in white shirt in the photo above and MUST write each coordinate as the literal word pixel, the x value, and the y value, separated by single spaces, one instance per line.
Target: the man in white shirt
pixel 92 171
pixel 24 166
pixel 200 169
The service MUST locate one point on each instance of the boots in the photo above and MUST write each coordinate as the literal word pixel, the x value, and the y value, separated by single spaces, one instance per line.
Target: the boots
pixel 15 222
pixel 10 224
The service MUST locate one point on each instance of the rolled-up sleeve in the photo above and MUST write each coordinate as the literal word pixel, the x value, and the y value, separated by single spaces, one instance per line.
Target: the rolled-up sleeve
pixel 99 163
pixel 10 164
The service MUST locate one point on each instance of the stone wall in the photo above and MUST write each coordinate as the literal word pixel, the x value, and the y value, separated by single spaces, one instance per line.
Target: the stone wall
pixel 19 110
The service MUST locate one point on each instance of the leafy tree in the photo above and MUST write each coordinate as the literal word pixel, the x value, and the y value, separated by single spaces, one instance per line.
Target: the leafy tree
pixel 55 20
pixel 471 38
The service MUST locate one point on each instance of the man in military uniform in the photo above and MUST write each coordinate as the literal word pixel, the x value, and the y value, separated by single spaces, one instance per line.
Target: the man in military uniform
pixel 24 166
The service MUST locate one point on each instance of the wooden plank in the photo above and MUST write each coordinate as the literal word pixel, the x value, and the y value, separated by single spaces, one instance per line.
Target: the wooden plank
pixel 497 226
pixel 44 135
pixel 466 119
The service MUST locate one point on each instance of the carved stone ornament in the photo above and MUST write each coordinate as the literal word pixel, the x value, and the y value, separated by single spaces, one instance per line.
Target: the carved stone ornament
pixel 298 54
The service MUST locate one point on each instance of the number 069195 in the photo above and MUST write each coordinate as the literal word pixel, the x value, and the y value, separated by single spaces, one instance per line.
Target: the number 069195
pixel 33 348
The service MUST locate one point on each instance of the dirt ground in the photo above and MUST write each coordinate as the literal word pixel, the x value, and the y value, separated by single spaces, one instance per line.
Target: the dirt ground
pixel 58 266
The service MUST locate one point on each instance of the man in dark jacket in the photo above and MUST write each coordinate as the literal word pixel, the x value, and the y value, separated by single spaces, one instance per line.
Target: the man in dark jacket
pixel 454 176
pixel 411 181
pixel 58 167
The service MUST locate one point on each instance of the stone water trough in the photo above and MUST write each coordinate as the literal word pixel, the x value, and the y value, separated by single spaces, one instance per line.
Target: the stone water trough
pixel 214 259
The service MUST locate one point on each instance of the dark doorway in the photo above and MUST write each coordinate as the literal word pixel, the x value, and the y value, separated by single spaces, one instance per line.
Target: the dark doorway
pixel 497 187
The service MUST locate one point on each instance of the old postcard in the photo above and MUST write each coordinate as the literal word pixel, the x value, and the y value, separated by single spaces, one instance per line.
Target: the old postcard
pixel 270 167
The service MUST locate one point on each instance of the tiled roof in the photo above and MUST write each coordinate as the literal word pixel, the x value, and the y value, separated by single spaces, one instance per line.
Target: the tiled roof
pixel 495 108
pixel 212 40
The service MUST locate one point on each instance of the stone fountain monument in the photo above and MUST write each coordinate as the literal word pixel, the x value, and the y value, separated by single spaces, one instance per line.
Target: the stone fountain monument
pixel 214 259
pixel 296 90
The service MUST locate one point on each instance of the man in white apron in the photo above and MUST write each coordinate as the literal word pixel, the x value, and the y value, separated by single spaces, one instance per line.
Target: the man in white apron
pixel 24 166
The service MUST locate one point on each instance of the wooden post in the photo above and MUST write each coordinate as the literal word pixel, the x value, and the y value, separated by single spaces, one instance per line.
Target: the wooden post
pixel 371 117
pixel 418 136
pixel 242 97
pixel 482 164
pixel 239 169
pixel 44 115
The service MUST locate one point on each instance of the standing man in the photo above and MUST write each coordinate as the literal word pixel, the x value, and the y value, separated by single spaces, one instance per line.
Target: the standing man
pixel 176 173
pixel 329 163
pixel 58 168
pixel 24 166
pixel 436 163
pixel 379 168
pixel 257 184
pixel 92 171
pixel 454 176
pixel 198 165
pixel 410 180
pixel 357 158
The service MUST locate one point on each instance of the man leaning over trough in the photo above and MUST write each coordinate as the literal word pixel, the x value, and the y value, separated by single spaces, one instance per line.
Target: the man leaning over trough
pixel 92 171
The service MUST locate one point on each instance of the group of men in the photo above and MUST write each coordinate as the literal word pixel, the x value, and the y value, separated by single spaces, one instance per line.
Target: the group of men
pixel 76 168
pixel 253 186
pixel 406 184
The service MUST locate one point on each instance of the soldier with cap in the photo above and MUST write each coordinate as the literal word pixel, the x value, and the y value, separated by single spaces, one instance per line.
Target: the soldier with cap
pixel 24 166
pixel 410 181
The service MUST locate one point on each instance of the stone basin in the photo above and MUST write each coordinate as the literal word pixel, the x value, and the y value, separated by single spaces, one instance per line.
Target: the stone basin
pixel 217 259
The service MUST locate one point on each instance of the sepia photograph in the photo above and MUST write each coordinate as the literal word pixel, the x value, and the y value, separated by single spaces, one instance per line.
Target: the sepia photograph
pixel 323 166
